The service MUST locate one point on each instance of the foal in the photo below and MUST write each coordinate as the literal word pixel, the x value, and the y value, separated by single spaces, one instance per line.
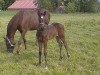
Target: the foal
pixel 45 33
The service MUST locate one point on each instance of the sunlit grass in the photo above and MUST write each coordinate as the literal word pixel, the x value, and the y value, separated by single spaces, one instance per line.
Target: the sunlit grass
pixel 83 38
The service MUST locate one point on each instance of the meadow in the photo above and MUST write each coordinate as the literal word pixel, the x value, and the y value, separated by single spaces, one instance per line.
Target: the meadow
pixel 82 35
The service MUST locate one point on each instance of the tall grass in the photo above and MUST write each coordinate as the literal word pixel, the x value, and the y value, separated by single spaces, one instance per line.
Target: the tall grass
pixel 83 38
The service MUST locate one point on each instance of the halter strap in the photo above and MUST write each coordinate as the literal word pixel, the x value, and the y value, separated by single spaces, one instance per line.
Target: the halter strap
pixel 42 23
pixel 9 42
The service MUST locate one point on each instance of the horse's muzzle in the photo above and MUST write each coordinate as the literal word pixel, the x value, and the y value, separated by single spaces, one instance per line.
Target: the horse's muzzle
pixel 10 50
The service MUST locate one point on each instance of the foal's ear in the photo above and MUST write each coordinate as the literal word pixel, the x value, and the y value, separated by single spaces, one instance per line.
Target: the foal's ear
pixel 44 13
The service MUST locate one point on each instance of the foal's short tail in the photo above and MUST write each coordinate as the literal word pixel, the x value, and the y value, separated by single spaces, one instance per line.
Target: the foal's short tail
pixel 60 29
pixel 61 35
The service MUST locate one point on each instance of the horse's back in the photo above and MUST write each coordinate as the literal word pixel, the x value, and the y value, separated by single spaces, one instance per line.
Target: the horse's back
pixel 30 20
pixel 27 20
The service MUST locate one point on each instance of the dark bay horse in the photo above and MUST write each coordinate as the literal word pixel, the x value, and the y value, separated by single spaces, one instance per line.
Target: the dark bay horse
pixel 23 21
pixel 46 32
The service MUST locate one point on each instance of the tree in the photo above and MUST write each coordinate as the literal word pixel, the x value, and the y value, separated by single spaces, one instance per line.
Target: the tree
pixel 5 4
pixel 71 7
pixel 88 5
pixel 93 6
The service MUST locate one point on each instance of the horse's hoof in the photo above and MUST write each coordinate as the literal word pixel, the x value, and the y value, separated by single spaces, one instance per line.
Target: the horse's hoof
pixel 60 58
pixel 39 64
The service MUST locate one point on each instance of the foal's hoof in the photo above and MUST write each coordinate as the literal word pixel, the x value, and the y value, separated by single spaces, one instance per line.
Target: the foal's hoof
pixel 18 53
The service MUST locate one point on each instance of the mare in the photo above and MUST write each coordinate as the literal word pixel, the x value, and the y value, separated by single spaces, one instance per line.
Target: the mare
pixel 23 21
pixel 46 32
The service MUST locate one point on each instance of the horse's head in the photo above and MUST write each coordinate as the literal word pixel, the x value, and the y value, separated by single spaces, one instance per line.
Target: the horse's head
pixel 9 44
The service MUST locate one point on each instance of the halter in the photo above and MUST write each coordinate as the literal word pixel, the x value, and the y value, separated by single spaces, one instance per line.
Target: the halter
pixel 42 23
pixel 9 42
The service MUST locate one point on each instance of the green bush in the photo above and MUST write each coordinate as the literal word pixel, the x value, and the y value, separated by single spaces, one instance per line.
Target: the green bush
pixel 71 7
pixel 45 4
pixel 4 4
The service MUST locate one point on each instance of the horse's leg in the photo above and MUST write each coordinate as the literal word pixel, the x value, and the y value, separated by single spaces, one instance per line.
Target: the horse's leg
pixel 60 45
pixel 45 52
pixel 65 45
pixel 19 44
pixel 40 51
pixel 20 41
pixel 25 42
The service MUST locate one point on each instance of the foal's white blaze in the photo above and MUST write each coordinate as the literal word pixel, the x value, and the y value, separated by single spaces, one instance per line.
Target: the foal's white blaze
pixel 42 17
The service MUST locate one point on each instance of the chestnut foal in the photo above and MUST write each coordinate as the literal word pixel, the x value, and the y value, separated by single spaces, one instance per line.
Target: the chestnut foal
pixel 45 33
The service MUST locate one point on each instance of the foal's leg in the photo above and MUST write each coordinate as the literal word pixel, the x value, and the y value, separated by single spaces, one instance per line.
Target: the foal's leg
pixel 65 45
pixel 60 45
pixel 40 51
pixel 45 52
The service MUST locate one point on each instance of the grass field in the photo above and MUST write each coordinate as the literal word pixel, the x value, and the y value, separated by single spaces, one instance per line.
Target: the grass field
pixel 83 38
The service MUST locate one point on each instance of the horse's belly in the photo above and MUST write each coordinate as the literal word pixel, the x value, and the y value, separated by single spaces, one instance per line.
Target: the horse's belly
pixel 33 26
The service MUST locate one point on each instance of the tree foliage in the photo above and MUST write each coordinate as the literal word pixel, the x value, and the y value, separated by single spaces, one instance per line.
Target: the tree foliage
pixel 88 5
pixel 71 6
pixel 5 3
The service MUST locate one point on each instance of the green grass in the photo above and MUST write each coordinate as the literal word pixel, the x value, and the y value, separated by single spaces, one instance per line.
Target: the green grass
pixel 83 38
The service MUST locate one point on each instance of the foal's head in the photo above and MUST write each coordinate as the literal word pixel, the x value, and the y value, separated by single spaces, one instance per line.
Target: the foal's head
pixel 9 44
pixel 42 13
pixel 42 27
pixel 42 24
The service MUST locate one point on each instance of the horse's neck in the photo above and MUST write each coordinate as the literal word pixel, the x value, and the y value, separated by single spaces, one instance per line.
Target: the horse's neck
pixel 10 33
